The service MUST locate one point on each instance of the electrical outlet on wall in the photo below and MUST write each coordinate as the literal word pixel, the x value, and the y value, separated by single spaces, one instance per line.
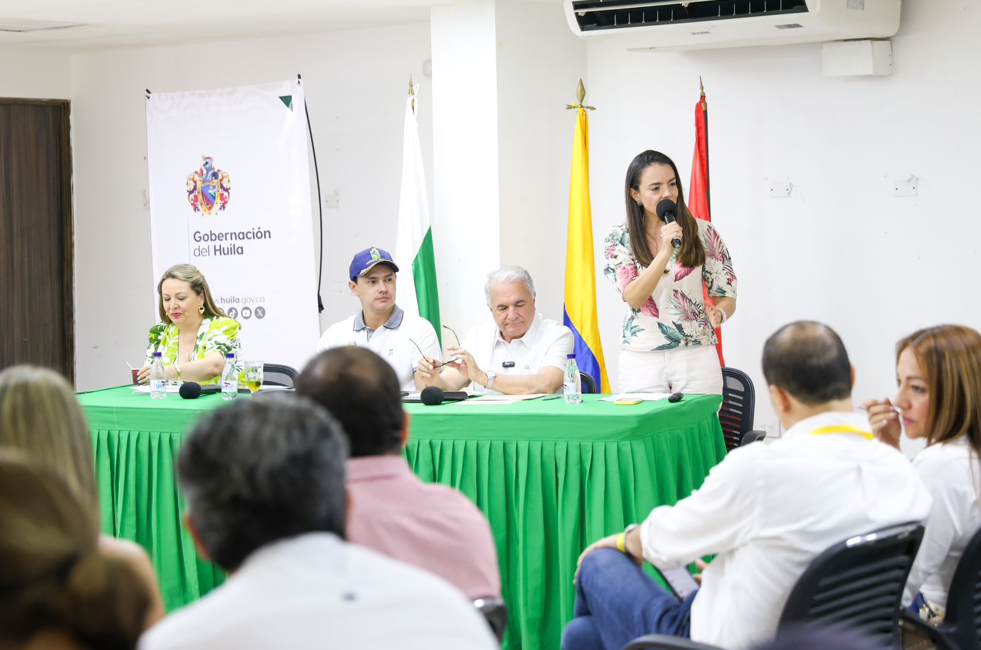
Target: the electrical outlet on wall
pixel 771 427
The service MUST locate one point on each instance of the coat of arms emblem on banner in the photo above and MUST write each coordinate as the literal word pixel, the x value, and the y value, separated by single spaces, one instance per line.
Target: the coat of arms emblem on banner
pixel 208 188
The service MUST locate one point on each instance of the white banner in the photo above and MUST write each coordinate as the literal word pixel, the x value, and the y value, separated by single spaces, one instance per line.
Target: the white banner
pixel 230 194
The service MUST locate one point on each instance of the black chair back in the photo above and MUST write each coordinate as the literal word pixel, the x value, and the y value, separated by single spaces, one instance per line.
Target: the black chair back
pixel 588 383
pixel 495 611
pixel 857 584
pixel 738 404
pixel 277 375
pixel 962 620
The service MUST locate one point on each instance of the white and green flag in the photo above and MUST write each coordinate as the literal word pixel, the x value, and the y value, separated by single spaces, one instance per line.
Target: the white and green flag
pixel 414 239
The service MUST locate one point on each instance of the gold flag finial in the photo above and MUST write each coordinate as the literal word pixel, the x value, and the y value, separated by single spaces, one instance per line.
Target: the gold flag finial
pixel 701 86
pixel 580 96
pixel 412 88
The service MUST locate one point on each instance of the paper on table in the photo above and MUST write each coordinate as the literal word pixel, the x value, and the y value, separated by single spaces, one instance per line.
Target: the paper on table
pixel 145 388
pixel 486 400
pixel 646 397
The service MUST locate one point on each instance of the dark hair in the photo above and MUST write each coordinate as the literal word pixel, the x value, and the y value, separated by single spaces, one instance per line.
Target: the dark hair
pixel 53 576
pixel 692 253
pixel 262 470
pixel 809 361
pixel 362 391
pixel 950 356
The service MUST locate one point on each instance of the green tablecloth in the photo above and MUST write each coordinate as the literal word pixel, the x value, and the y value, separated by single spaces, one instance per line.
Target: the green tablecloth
pixel 551 477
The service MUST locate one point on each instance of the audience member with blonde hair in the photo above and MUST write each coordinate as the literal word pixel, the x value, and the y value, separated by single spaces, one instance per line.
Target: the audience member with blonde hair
pixel 938 372
pixel 57 591
pixel 40 416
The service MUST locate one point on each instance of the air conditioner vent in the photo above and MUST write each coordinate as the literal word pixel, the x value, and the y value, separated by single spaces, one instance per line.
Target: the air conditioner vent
pixel 602 15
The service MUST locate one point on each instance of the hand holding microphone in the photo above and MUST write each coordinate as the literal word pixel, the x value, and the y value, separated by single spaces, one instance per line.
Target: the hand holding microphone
pixel 666 210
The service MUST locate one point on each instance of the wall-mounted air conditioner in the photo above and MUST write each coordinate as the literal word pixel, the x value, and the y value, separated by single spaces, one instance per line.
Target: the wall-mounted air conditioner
pixel 697 24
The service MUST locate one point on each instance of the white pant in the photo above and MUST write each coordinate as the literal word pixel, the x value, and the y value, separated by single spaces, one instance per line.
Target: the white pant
pixel 682 370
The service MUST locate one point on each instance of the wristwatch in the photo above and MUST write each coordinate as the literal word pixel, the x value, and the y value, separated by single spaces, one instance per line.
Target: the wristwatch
pixel 491 376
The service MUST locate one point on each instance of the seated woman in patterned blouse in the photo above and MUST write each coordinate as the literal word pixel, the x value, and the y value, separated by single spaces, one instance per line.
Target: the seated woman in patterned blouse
pixel 193 335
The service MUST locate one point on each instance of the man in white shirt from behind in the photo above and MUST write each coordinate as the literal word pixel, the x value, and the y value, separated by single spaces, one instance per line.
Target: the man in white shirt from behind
pixel 264 481
pixel 520 353
pixel 399 338
pixel 766 511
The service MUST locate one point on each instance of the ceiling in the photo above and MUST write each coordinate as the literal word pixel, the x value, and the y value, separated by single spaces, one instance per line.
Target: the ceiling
pixel 107 24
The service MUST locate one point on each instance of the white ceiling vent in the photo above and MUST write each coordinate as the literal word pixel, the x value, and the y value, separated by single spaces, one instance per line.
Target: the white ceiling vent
pixel 700 24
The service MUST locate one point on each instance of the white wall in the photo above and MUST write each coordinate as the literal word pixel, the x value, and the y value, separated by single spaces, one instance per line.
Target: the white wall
pixel 466 220
pixel 539 63
pixel 26 73
pixel 842 250
pixel 355 84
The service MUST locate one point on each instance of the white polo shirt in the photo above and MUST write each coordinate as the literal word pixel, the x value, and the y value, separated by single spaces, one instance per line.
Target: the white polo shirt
pixel 315 591
pixel 546 343
pixel 390 342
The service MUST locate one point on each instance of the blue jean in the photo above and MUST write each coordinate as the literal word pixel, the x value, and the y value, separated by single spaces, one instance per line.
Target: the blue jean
pixel 617 602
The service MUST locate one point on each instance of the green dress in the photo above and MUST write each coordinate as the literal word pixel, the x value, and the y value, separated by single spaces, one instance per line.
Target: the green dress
pixel 216 334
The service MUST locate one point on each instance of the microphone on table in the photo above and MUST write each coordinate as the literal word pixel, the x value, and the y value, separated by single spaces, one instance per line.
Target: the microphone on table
pixel 432 396
pixel 665 212
pixel 193 390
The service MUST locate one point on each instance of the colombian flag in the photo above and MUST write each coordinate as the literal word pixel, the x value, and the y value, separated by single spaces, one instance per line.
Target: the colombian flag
pixel 580 267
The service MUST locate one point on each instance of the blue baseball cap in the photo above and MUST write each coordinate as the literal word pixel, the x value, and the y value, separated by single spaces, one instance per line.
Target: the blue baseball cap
pixel 368 259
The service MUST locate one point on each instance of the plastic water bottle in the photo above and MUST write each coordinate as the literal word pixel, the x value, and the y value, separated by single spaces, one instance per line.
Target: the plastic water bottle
pixel 229 378
pixel 158 378
pixel 572 384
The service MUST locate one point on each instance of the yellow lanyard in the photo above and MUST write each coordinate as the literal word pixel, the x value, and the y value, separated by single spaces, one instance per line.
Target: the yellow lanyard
pixel 842 428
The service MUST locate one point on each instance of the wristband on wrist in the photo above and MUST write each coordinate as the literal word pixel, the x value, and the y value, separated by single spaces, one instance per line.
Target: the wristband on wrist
pixel 622 539
pixel 725 317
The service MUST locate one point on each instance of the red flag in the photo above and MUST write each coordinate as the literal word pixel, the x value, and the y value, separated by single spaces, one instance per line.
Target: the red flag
pixel 699 202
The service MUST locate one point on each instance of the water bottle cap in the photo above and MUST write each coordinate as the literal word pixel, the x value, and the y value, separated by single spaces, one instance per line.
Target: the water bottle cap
pixel 157 355
pixel 230 355
pixel 570 356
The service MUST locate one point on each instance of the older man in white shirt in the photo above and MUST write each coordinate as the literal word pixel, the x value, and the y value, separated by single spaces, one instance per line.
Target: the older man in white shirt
pixel 520 353
pixel 765 511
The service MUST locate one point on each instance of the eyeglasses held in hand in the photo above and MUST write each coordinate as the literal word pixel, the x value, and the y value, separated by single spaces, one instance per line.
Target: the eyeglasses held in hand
pixel 436 364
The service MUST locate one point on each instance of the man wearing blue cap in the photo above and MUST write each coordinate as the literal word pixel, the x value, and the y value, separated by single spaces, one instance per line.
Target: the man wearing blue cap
pixel 381 326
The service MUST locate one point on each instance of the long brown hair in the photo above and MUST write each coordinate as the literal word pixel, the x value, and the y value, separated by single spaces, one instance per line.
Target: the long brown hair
pixel 950 355
pixel 40 416
pixel 190 274
pixel 692 251
pixel 54 579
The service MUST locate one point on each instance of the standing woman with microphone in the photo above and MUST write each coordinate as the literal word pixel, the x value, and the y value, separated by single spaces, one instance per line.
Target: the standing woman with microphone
pixel 658 261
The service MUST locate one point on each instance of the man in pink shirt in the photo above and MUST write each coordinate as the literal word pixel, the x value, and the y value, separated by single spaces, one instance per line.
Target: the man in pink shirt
pixel 433 527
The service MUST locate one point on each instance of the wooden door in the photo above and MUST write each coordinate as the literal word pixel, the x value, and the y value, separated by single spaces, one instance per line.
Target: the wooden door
pixel 37 322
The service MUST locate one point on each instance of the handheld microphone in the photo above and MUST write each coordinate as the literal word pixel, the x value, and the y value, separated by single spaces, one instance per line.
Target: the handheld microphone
pixel 193 390
pixel 665 212
pixel 190 390
pixel 432 396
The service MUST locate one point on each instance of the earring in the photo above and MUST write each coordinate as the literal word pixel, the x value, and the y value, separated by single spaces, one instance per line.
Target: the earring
pixel 201 309
pixel 639 203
